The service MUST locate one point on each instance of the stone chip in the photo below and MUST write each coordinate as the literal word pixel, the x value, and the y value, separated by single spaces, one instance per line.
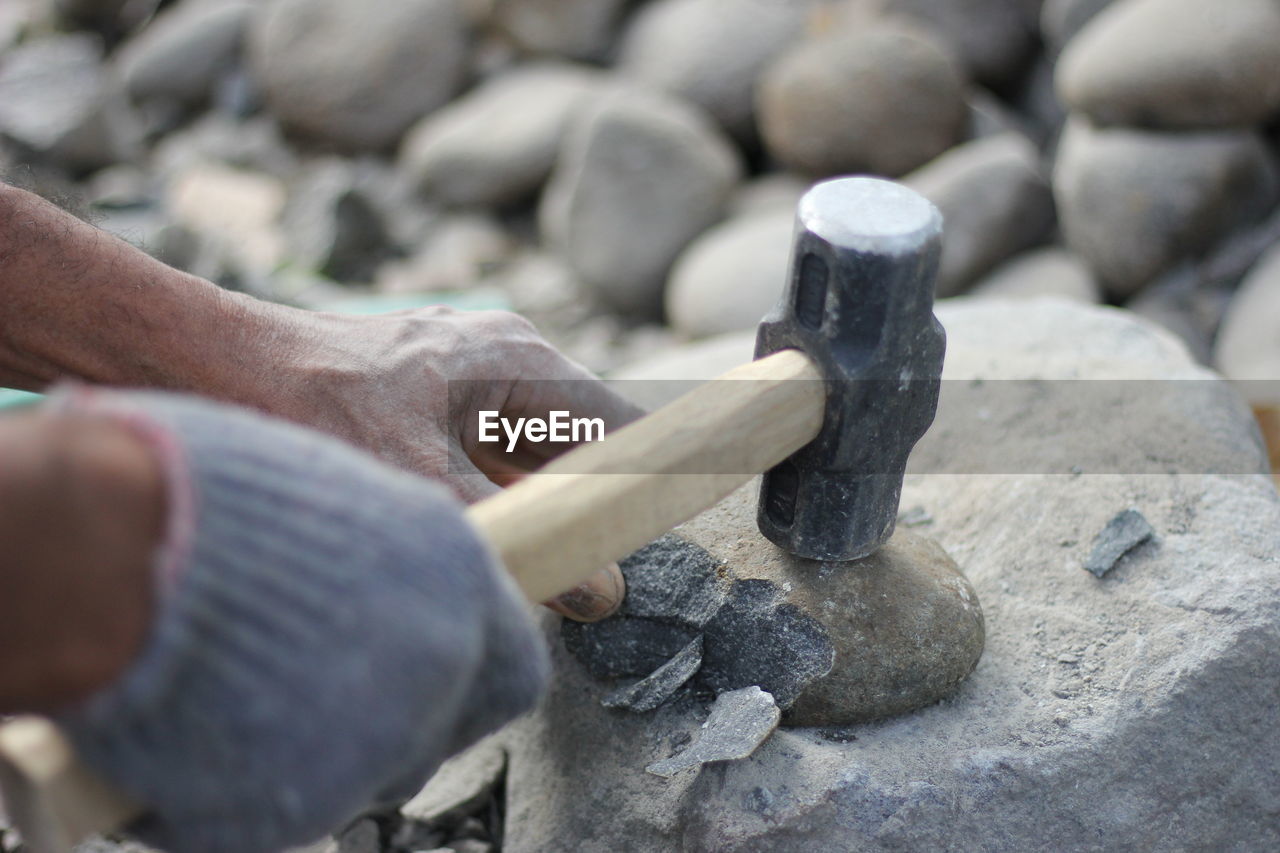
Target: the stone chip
pixel 740 721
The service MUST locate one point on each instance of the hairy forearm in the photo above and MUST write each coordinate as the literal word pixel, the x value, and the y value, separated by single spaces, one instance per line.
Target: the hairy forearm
pixel 77 302
pixel 81 512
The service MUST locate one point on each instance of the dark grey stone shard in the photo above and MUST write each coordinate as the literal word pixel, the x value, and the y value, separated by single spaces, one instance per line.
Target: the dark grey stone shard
pixel 659 686
pixel 673 581
pixel 1122 534
pixel 740 721
pixel 755 640
pixel 620 646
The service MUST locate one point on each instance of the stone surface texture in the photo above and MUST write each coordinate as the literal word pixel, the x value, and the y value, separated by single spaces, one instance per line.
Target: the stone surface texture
pixel 576 29
pixel 882 100
pixel 732 275
pixel 710 52
pixel 638 177
pixel 1043 272
pixel 357 75
pixel 1136 711
pixel 739 722
pixel 497 144
pixel 1176 64
pixel 995 201
pixel 1132 203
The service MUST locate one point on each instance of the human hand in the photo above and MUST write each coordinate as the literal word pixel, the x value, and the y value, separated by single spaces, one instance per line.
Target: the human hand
pixel 409 387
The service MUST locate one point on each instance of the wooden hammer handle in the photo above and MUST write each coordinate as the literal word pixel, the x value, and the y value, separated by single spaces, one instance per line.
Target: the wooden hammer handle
pixel 552 530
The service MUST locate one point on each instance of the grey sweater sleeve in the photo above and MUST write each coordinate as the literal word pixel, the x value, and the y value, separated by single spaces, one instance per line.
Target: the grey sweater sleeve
pixel 329 630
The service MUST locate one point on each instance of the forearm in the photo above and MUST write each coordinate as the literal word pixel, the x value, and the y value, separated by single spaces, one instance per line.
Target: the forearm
pixel 78 302
pixel 80 514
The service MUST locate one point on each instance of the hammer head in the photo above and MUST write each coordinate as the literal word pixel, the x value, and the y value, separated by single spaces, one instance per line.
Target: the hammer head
pixel 859 303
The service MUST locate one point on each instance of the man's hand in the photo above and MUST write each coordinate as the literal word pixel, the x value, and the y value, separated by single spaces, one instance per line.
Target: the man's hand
pixel 80 303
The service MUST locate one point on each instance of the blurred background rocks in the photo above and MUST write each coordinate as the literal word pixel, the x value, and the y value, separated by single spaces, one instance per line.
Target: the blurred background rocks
pixel 625 172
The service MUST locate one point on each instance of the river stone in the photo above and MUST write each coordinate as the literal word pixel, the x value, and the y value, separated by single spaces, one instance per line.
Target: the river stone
pixel 1132 203
pixel 357 75
pixel 881 100
pixel 994 200
pixel 179 57
pixel 1136 711
pixel 638 177
pixel 58 102
pixel 576 29
pixel 1248 344
pixel 497 144
pixel 1176 64
pixel 1044 272
pixel 732 275
pixel 710 52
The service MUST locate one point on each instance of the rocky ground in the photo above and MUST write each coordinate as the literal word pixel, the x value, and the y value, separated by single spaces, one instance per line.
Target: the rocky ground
pixel 625 172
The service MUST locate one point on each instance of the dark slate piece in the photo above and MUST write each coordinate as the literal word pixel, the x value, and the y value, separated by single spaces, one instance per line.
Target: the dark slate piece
pixel 1122 534
pixel 740 721
pixel 674 581
pixel 754 639
pixel 619 646
pixel 651 691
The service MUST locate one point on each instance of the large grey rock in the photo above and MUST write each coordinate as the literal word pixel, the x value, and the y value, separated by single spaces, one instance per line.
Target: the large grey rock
pixel 639 176
pixel 1132 203
pixel 1248 345
pixel 180 56
pixel 1176 64
pixel 1044 272
pixel 357 75
pixel 994 201
pixel 732 275
pixel 880 100
pixel 577 29
pixel 710 51
pixel 992 39
pixel 1135 711
pixel 497 144
pixel 59 102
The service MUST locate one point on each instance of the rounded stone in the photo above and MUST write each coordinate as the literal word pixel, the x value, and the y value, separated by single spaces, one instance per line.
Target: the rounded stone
pixel 904 623
pixel 882 101
pixel 357 75
pixel 1176 64
pixel 1133 203
pixel 1248 344
pixel 710 51
pixel 1053 271
pixel 732 275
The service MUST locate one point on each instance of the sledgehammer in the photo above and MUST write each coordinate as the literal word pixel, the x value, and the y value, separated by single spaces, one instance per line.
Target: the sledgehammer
pixel 845 383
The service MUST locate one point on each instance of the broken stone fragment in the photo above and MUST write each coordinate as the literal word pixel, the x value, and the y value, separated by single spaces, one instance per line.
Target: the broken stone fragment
pixel 659 686
pixel 460 785
pixel 740 721
pixel 1122 534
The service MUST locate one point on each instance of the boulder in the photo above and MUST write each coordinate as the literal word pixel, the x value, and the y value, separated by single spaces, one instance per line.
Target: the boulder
pixel 58 102
pixel 1248 344
pixel 1132 711
pixel 710 52
pixel 1176 64
pixel 179 57
pixel 731 276
pixel 1044 272
pixel 497 144
pixel 880 100
pixel 1132 203
pixel 575 29
pixel 357 75
pixel 637 178
pixel 994 202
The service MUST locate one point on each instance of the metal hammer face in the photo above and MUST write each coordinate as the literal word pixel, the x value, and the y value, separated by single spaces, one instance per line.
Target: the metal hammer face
pixel 859 303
